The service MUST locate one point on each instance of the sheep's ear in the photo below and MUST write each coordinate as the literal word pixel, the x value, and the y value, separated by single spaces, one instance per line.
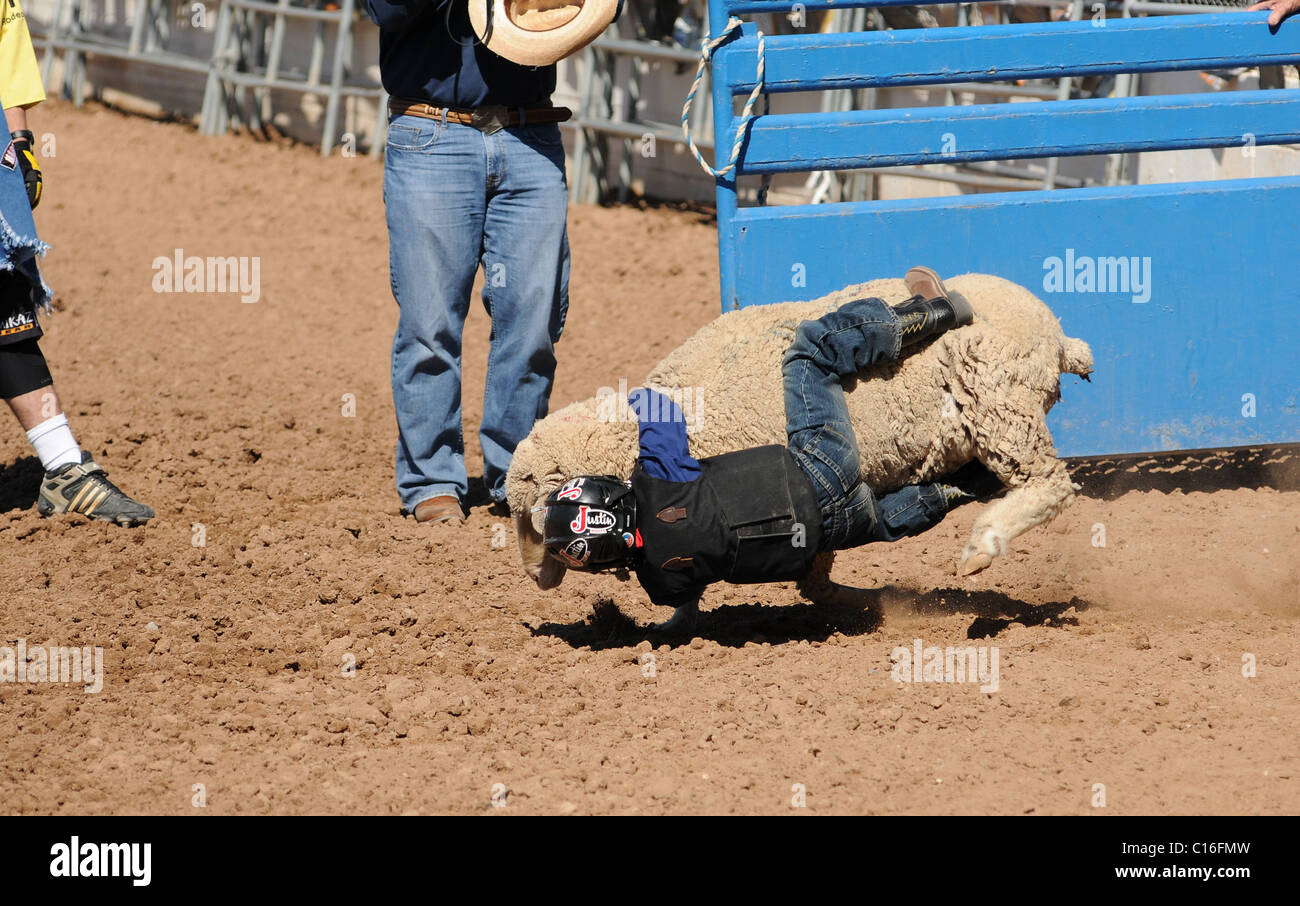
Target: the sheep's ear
pixel 538 517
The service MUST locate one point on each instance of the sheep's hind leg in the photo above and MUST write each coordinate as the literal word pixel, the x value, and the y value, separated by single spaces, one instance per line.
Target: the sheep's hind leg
pixel 818 588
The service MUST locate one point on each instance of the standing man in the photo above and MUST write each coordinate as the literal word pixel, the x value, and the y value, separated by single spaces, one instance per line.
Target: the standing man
pixel 72 483
pixel 474 176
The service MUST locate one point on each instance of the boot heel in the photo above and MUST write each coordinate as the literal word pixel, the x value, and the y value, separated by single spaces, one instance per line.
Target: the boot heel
pixel 925 282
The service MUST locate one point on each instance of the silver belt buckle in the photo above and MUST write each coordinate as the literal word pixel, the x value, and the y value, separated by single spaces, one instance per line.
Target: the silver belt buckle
pixel 489 120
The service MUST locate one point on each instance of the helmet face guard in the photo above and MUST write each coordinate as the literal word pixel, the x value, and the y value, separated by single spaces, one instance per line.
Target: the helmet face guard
pixel 589 523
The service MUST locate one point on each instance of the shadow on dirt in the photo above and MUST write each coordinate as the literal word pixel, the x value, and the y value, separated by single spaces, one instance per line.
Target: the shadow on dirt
pixel 994 610
pixel 20 482
pixel 1105 478
pixel 733 625
pixel 476 493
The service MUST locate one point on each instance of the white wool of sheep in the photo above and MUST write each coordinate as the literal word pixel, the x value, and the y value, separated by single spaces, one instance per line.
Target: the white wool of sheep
pixel 980 392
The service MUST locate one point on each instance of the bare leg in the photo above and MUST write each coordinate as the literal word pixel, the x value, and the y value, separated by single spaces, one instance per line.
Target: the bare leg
pixel 35 406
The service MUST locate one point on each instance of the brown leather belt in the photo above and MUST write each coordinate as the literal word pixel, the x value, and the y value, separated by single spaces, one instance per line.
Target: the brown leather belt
pixel 485 119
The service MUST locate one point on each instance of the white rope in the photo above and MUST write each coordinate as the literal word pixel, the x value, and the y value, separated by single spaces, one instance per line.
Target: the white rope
pixel 707 46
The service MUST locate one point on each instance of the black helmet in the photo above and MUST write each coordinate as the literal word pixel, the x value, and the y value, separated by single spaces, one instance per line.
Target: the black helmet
pixel 590 523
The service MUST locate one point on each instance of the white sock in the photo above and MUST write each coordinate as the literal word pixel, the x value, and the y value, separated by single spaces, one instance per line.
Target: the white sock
pixel 54 442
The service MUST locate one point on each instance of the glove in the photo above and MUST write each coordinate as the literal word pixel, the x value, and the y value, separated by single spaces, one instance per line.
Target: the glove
pixel 30 166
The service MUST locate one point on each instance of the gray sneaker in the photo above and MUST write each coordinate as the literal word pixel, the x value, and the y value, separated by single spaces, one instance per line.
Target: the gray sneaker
pixel 84 488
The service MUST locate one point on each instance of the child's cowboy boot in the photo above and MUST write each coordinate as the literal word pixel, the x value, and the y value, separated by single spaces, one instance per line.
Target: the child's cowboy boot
pixel 931 310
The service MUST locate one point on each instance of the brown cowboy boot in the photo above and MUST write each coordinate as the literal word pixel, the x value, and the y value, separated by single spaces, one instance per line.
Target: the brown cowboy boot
pixel 931 310
pixel 444 508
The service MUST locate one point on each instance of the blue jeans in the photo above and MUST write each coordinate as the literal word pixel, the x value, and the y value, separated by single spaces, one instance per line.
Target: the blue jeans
pixel 856 336
pixel 456 199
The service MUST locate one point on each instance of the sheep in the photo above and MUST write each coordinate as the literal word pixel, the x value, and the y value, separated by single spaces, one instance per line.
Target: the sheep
pixel 977 393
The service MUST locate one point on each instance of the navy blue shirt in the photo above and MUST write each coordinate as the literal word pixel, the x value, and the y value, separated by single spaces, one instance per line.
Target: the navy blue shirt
pixel 665 452
pixel 423 56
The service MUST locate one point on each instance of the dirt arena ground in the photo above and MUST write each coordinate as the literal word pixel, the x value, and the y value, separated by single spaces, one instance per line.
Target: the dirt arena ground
pixel 1120 665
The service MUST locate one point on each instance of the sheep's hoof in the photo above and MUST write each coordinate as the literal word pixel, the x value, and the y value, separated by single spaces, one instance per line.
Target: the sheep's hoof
pixel 973 563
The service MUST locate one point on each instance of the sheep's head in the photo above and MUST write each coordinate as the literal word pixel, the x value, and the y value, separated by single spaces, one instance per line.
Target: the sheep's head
pixel 531 479
pixel 546 571
pixel 586 438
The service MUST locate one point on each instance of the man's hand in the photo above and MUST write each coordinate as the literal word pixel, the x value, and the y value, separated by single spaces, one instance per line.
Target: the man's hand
pixel 1281 9
pixel 31 167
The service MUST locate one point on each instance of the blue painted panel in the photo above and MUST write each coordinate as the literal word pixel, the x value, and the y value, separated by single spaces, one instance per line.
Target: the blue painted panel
pixel 1182 354
pixel 928 56
pixel 784 143
pixel 740 7
pixel 1172 371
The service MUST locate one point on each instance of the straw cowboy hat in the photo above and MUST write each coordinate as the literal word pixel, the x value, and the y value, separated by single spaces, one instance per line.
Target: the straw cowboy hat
pixel 539 32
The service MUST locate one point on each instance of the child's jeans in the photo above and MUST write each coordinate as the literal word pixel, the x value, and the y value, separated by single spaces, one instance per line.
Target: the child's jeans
pixel 856 336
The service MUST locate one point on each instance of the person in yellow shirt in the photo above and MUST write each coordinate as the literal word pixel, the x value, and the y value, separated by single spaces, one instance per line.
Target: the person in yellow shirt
pixel 72 483
pixel 20 85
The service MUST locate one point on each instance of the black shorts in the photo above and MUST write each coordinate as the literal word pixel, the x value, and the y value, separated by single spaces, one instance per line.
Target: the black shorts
pixel 18 322
pixel 22 368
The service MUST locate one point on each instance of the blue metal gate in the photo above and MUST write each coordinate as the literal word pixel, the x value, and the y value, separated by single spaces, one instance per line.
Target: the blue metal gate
pixel 1187 292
